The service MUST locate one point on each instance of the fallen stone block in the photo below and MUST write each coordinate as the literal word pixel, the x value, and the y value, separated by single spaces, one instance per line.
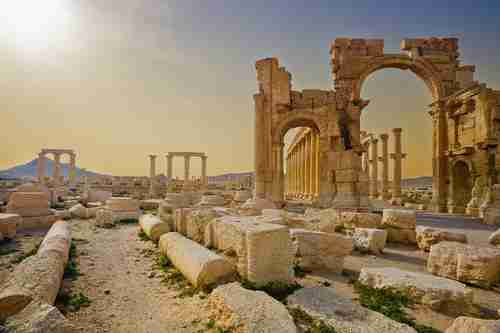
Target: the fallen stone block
pixel 479 266
pixel 40 318
pixel 29 204
pixel 79 211
pixel 176 200
pixel 211 201
pixel 242 196
pixel 124 204
pixel 61 214
pixel 38 222
pixel 150 204
pixel 474 325
pixel 98 196
pixel 248 311
pixel 438 293
pixel 320 250
pixel 262 251
pixel 322 303
pixel 198 264
pixel 369 240
pixel 153 227
pixel 104 218
pixel 9 225
pixel 254 206
pixel 494 238
pixel 352 220
pixel 404 236
pixel 399 218
pixel 426 237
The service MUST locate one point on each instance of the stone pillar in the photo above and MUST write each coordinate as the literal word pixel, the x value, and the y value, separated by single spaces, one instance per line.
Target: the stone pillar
pixel 303 168
pixel 384 192
pixel 152 166
pixel 57 169
pixel 42 168
pixel 294 172
pixel 169 166
pixel 440 172
pixel 204 179
pixel 397 156
pixel 317 189
pixel 307 165
pixel 366 159
pixel 72 169
pixel 186 167
pixel 374 168
pixel 314 161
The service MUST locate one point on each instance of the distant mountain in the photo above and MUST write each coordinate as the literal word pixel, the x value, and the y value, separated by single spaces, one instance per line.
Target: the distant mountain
pixel 424 181
pixel 29 170
pixel 229 177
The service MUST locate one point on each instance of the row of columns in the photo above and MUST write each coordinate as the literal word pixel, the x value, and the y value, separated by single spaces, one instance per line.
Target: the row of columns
pixel 56 173
pixel 370 165
pixel 170 157
pixel 302 163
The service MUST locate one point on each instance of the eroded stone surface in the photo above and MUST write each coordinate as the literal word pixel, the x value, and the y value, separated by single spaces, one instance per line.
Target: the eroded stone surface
pixel 341 313
pixel 474 325
pixel 466 263
pixel 153 226
pixel 248 311
pixel 8 224
pixel 426 237
pixel 351 220
pixel 494 239
pixel 369 240
pixel 438 293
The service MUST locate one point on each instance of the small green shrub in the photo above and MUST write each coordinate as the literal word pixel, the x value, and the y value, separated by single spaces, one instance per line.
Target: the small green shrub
pixel 302 318
pixel 142 236
pixel 127 221
pixel 73 302
pixel 299 271
pixel 71 271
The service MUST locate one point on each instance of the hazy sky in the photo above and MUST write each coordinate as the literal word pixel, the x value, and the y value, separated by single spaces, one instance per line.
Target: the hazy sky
pixel 117 80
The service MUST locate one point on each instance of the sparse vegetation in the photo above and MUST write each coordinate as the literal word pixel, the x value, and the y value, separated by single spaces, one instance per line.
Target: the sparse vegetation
pixel 23 256
pixel 142 236
pixel 72 302
pixel 71 271
pixel 299 271
pixel 212 326
pixel 277 290
pixel 127 221
pixel 311 325
pixel 390 303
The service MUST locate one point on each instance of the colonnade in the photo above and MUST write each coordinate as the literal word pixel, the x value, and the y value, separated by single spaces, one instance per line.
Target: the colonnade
pixel 187 157
pixel 302 166
pixel 370 165
pixel 56 172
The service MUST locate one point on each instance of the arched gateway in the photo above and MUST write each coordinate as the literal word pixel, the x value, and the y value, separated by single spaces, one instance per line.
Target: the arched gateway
pixel 465 117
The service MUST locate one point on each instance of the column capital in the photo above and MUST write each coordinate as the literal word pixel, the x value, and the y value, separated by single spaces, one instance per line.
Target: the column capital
pixel 384 136
pixel 398 155
pixel 373 140
pixel 397 130
pixel 152 156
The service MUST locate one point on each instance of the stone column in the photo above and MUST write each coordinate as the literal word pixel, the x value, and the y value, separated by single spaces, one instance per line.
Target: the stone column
pixel 303 168
pixel 204 179
pixel 307 165
pixel 169 166
pixel 374 168
pixel 397 156
pixel 57 169
pixel 317 189
pixel 294 171
pixel 42 168
pixel 72 169
pixel 186 167
pixel 152 166
pixel 384 192
pixel 313 165
pixel 366 159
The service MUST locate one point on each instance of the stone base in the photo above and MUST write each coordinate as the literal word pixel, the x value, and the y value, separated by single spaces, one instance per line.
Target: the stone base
pixel 492 216
pixel 472 211
pixel 453 209
pixel 37 222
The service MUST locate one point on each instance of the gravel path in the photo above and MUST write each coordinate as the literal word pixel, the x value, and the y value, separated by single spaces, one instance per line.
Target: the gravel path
pixel 124 298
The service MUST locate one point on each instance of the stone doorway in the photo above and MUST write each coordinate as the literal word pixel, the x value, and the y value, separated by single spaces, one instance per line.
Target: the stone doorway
pixel 460 188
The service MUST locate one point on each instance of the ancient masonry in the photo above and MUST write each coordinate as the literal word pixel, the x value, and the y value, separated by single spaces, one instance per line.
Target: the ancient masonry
pixel 57 176
pixel 465 117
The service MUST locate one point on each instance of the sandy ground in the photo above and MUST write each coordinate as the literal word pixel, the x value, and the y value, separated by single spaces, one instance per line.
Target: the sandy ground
pixel 125 297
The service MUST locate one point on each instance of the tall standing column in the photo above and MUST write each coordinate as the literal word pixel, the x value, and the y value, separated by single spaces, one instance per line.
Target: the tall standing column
pixel 366 158
pixel 384 192
pixel 42 168
pixel 57 169
pixel 312 176
pixel 307 164
pixel 303 168
pixel 186 167
pixel 374 168
pixel 152 166
pixel 317 164
pixel 169 166
pixel 72 169
pixel 397 156
pixel 204 180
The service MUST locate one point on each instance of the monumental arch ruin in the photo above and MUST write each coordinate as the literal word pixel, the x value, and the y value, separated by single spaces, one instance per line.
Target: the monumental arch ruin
pixel 465 116
pixel 56 176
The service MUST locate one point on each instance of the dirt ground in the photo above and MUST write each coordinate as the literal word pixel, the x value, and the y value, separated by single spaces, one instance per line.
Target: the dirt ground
pixel 127 294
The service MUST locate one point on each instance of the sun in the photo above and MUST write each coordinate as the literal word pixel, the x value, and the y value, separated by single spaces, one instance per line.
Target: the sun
pixel 32 24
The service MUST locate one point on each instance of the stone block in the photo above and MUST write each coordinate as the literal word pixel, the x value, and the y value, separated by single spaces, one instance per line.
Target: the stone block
pixel 346 176
pixel 63 214
pixel 39 318
pixel 403 236
pixel 426 237
pixel 369 240
pixel 57 240
pixel 438 293
pixel 98 196
pixel 176 200
pixel 150 204
pixel 320 250
pixel 79 211
pixel 242 196
pixel 474 325
pixel 122 204
pixel 341 313
pixel 211 201
pixel 196 221
pixel 399 218
pixel 153 226
pixel 262 251
pixel 352 220
pixel 198 264
pixel 254 206
pixel 475 265
pixel 104 217
pixel 250 311
pixel 9 223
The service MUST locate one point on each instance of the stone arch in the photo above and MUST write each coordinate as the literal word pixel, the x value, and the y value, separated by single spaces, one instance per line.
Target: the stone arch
pixel 422 68
pixel 461 184
pixel 297 119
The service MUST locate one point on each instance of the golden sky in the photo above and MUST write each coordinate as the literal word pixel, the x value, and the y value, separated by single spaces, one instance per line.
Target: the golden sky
pixel 117 80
